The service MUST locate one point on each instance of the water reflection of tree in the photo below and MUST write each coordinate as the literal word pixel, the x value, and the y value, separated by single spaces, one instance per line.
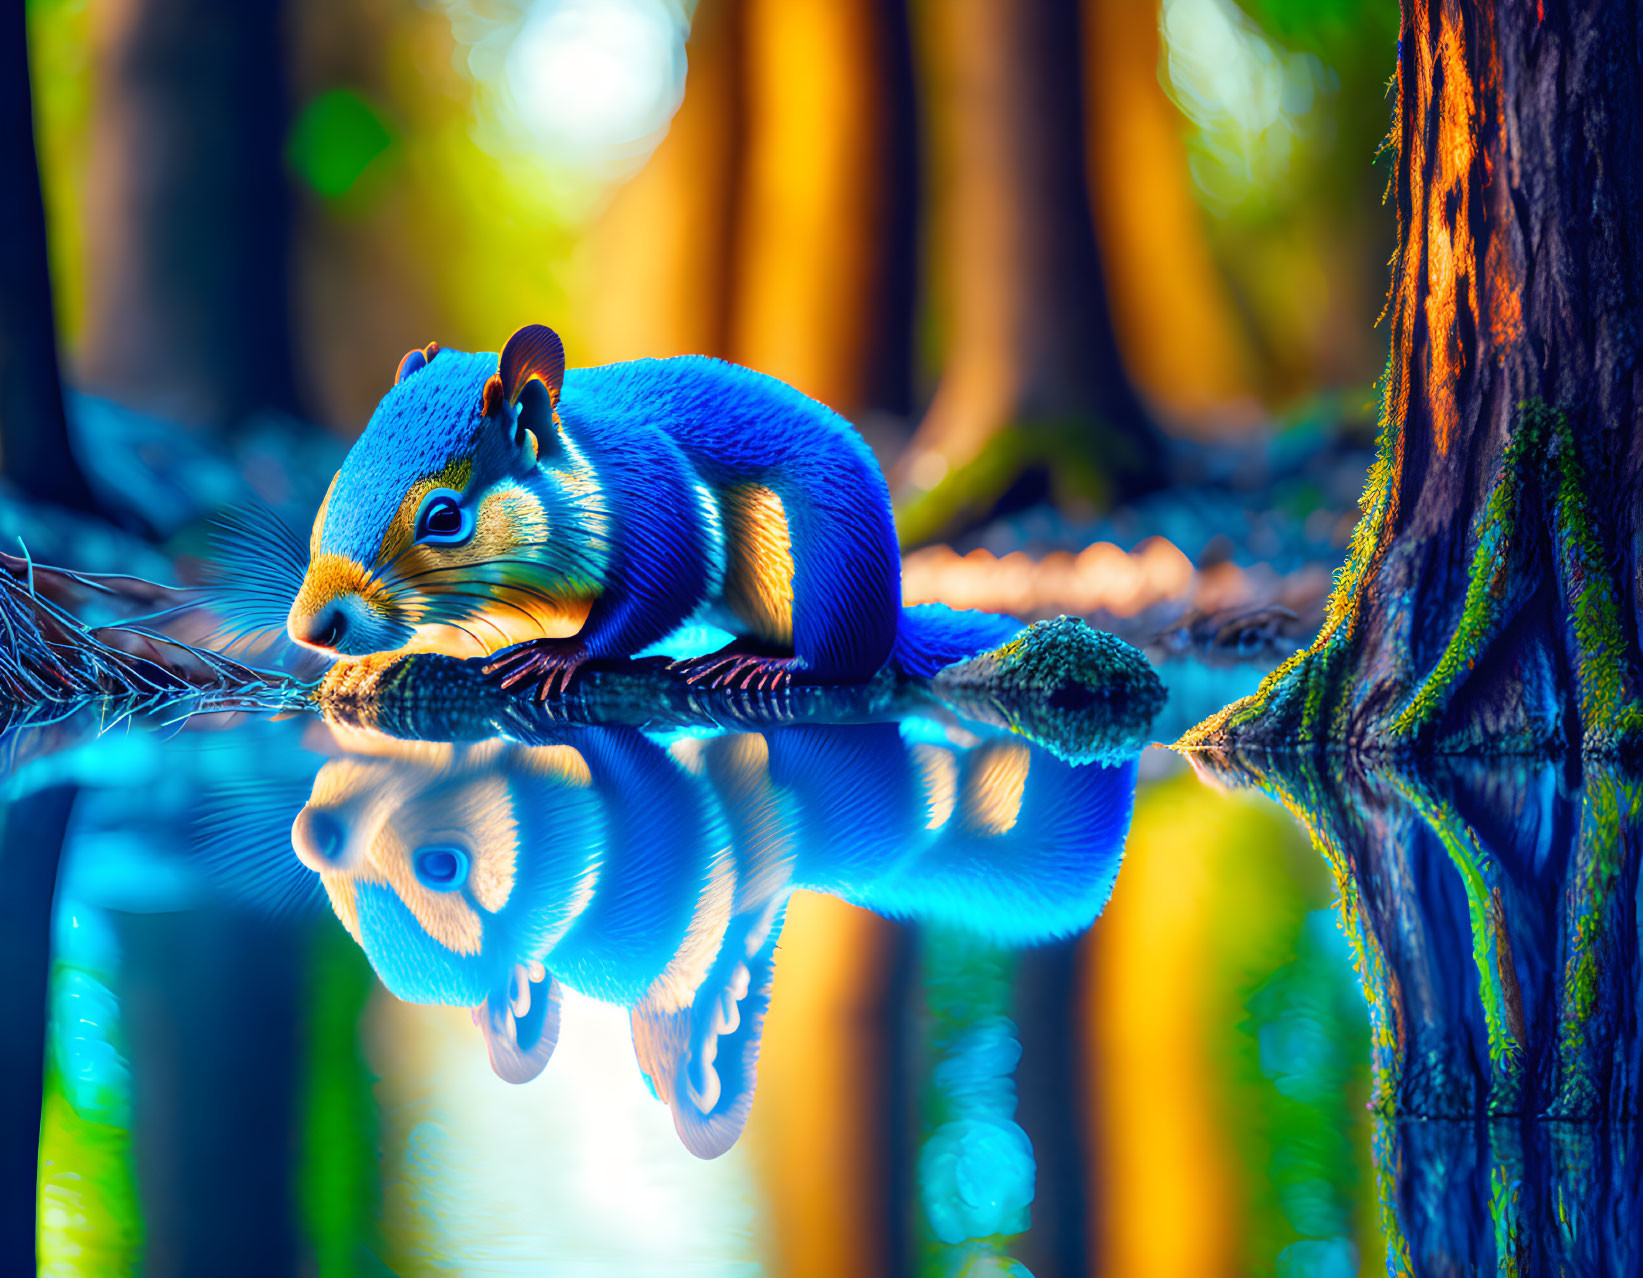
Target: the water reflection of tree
pixel 1492 911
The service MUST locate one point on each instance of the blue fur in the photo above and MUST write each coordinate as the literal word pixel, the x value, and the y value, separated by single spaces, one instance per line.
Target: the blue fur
pixel 736 426
pixel 661 840
pixel 933 635
pixel 854 827
pixel 652 429
pixel 412 965
pixel 422 424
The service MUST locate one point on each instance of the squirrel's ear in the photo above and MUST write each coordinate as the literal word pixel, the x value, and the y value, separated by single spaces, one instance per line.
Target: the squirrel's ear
pixel 415 360
pixel 535 419
pixel 534 353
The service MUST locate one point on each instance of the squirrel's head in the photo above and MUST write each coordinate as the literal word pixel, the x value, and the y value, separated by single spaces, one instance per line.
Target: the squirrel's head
pixel 463 519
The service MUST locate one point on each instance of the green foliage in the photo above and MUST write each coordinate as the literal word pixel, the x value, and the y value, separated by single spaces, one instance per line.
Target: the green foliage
pixel 337 1185
pixel 1338 31
pixel 334 140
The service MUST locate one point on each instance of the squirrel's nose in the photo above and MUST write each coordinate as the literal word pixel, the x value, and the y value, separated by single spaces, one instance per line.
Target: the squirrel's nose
pixel 319 838
pixel 325 628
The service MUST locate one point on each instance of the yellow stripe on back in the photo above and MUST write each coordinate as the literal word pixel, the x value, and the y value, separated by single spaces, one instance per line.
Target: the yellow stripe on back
pixel 758 585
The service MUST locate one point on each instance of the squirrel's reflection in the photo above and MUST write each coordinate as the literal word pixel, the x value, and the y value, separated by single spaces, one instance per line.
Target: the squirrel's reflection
pixel 654 873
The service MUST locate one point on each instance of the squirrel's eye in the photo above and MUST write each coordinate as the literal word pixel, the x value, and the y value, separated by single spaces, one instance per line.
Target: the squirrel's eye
pixel 441 868
pixel 443 518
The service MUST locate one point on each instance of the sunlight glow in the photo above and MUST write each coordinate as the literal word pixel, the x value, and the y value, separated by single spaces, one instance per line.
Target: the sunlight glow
pixel 1249 100
pixel 597 81
pixel 550 1176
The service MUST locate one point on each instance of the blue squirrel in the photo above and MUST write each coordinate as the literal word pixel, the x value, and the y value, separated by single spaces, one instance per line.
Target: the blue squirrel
pixel 502 506
pixel 655 874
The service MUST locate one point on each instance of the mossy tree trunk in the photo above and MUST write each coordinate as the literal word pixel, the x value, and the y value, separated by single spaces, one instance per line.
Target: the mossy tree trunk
pixel 1490 599
pixel 35 453
pixel 1031 372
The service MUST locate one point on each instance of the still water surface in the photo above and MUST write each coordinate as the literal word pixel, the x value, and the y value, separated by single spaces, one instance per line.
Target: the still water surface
pixel 911 995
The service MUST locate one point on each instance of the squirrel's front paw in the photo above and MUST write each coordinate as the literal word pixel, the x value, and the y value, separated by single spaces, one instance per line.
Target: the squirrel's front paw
pixel 357 676
pixel 553 661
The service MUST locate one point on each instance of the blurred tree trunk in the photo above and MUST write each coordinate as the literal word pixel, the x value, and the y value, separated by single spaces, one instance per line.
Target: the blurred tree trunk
pixel 210 1014
pixel 35 453
pixel 1175 321
pixel 1490 602
pixel 824 1134
pixel 1030 349
pixel 661 257
pixel 823 279
pixel 775 224
pixel 188 211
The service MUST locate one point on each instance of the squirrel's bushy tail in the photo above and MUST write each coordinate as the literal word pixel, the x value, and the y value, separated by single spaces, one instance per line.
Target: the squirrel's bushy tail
pixel 930 636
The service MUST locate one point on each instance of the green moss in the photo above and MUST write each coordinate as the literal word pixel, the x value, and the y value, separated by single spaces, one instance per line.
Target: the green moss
pixel 1609 804
pixel 1610 717
pixel 1293 699
pixel 1298 699
pixel 1486 588
pixel 1491 948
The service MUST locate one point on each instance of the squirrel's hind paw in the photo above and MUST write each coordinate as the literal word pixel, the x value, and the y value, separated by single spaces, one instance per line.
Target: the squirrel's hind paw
pixel 744 672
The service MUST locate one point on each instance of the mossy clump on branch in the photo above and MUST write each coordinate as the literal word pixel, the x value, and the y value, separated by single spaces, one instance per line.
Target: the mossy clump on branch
pixel 1083 693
